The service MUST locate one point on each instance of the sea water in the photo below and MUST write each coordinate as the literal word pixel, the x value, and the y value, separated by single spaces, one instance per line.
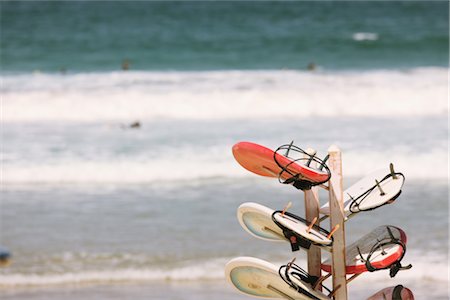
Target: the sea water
pixel 94 209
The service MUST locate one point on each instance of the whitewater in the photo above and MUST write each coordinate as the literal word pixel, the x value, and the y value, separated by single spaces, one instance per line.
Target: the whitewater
pixel 225 95
pixel 190 119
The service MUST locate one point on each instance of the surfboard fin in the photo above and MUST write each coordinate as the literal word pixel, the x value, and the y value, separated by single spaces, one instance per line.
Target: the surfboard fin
pixel 383 252
pixel 286 208
pixel 311 152
pixel 289 265
pixel 382 193
pixel 289 148
pixel 333 231
pixel 311 225
pixel 324 161
pixel 391 167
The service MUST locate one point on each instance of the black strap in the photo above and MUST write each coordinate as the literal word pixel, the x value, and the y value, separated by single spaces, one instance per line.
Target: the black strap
pixel 292 270
pixel 298 183
pixel 398 267
pixel 397 293
pixel 296 240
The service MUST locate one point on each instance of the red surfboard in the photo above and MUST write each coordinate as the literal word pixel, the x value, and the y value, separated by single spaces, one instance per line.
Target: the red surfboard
pixel 261 160
pixel 381 258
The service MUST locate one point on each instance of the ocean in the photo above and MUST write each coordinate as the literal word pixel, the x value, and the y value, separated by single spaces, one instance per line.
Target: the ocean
pixel 92 208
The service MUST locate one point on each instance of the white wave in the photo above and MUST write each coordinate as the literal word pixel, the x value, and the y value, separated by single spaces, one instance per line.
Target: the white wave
pixel 125 96
pixel 365 36
pixel 209 270
pixel 116 172
pixel 425 165
pixel 431 267
pixel 189 167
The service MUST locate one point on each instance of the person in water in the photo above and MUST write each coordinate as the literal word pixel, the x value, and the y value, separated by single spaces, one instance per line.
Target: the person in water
pixel 5 257
pixel 125 64
pixel 136 124
pixel 311 66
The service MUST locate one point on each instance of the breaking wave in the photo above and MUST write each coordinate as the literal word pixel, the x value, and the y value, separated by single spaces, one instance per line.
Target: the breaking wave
pixel 429 267
pixel 124 96
pixel 191 167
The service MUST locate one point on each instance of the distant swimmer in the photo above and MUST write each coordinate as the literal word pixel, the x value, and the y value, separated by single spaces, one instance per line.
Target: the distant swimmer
pixel 311 66
pixel 125 64
pixel 134 125
pixel 5 257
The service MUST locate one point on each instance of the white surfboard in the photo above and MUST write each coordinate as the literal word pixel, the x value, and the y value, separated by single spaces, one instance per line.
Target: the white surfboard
pixel 381 258
pixel 301 228
pixel 256 219
pixel 391 188
pixel 259 278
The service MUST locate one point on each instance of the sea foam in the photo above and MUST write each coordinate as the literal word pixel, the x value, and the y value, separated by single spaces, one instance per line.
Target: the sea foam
pixel 365 36
pixel 209 270
pixel 135 170
pixel 430 268
pixel 212 95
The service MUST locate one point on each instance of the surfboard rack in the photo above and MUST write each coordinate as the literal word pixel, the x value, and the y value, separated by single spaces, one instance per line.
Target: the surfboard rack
pixel 337 218
pixel 337 211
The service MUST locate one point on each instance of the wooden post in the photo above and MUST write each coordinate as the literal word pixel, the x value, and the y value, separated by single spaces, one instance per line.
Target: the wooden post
pixel 312 206
pixel 337 217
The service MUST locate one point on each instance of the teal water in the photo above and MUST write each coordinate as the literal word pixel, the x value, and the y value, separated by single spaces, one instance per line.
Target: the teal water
pixel 98 36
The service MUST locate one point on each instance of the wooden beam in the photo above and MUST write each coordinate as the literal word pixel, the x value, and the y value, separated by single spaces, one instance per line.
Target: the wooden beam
pixel 337 217
pixel 353 277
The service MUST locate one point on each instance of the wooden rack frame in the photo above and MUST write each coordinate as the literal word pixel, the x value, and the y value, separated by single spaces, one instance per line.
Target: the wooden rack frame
pixel 337 217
